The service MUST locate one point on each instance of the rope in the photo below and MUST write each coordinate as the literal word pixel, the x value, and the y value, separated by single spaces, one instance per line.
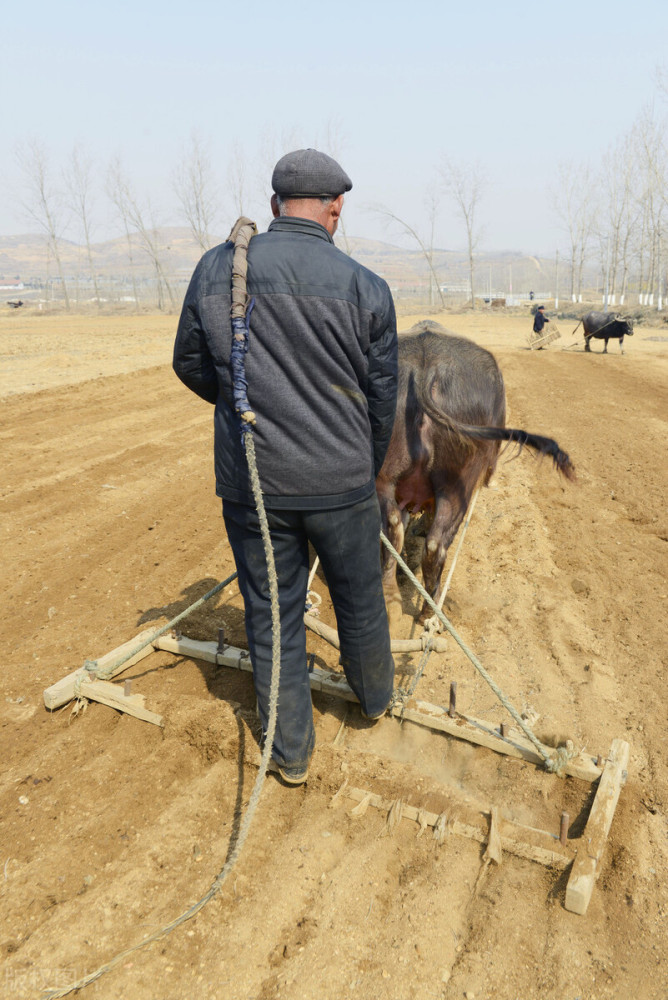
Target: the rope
pixel 91 669
pixel 268 741
pixel 401 696
pixel 553 763
pixel 431 624
pixel 313 599
pixel 264 763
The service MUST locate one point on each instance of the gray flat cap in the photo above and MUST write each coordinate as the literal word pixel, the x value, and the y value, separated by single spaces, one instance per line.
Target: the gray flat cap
pixel 306 173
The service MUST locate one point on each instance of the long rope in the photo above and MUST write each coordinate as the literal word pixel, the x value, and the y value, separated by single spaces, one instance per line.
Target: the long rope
pixel 269 735
pixel 264 763
pixel 552 762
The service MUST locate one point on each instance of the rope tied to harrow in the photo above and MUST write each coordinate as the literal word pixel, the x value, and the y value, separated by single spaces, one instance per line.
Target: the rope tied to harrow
pixel 400 695
pixel 91 669
pixel 554 763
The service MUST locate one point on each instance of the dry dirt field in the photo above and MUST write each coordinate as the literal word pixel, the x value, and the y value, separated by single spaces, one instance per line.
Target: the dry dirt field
pixel 111 827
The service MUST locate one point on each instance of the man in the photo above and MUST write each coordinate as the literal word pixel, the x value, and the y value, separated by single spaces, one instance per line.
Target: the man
pixel 322 372
pixel 539 320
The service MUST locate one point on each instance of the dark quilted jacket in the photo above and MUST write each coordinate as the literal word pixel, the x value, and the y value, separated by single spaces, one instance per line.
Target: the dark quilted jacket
pixel 321 367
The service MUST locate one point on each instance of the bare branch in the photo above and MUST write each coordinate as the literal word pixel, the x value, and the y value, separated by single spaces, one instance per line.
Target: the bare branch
pixel 466 184
pixel 78 181
pixel 195 188
pixel 427 251
pixel 43 202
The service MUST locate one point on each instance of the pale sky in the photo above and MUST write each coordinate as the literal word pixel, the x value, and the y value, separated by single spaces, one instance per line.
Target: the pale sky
pixel 518 87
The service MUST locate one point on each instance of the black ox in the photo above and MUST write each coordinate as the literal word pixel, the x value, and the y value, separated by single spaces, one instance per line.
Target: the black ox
pixel 451 412
pixel 606 326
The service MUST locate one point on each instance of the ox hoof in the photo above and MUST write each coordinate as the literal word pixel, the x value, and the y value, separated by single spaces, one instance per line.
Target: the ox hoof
pixel 424 615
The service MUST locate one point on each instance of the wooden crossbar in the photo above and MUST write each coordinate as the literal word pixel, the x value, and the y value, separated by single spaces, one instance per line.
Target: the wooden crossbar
pixel 421 713
pixel 592 843
pixel 523 841
pixel 63 691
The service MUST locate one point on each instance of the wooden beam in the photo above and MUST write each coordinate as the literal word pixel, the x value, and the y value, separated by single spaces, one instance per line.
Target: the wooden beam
pixel 114 696
pixel 207 651
pixel 525 842
pixel 421 713
pixel 592 843
pixel 466 727
pixel 330 635
pixel 63 691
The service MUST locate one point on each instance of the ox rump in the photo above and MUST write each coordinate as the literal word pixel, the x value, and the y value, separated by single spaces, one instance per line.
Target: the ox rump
pixel 450 422
pixel 606 326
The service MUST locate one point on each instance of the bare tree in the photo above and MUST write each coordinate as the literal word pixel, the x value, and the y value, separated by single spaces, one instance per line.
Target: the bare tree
pixel 426 247
pixel 139 217
pixel 432 204
pixel 334 144
pixel 78 180
pixel 237 181
pixel 272 147
pixel 574 202
pixel 195 188
pixel 116 190
pixel 43 202
pixel 649 138
pixel 466 183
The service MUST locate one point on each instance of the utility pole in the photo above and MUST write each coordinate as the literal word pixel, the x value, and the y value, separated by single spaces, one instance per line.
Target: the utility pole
pixel 659 299
pixel 607 274
pixel 556 281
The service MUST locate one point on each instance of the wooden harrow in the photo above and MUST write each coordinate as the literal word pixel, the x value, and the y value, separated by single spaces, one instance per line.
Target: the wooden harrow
pixel 540 340
pixel 558 851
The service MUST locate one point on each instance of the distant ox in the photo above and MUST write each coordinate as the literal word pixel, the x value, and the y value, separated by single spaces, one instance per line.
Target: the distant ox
pixel 606 326
pixel 451 412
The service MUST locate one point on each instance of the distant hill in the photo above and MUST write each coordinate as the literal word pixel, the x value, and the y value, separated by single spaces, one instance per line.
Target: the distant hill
pixel 25 256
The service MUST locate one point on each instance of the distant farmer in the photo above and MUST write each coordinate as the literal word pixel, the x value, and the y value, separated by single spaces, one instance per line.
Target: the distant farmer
pixel 539 320
pixel 322 380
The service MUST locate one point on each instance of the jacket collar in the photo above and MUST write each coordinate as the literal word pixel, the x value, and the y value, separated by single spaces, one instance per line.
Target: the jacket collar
pixel 292 224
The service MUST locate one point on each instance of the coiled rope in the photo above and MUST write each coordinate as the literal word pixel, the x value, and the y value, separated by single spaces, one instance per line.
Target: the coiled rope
pixel 241 233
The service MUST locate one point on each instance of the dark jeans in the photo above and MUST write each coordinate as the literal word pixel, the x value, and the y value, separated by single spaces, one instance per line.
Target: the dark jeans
pixel 347 542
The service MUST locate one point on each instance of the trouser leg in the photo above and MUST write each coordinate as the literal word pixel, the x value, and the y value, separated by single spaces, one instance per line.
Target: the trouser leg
pixel 295 735
pixel 348 544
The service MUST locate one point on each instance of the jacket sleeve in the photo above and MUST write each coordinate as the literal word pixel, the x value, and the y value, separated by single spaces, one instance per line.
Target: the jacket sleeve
pixel 382 382
pixel 192 359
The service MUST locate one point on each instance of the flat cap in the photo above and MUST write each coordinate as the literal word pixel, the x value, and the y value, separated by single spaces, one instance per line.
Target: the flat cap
pixel 306 173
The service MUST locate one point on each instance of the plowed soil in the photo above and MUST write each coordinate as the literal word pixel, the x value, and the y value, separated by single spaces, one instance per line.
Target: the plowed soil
pixel 111 827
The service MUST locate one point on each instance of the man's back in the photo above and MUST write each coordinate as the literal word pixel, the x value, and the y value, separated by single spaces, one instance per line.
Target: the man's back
pixel 321 351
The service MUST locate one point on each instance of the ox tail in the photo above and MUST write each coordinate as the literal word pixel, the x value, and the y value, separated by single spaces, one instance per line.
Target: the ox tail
pixel 538 443
pixel 466 434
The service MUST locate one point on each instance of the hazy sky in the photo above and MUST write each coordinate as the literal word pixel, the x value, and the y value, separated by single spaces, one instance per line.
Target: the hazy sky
pixel 518 87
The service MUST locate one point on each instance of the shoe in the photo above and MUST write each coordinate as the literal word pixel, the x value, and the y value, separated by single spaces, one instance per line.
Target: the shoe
pixel 291 775
pixel 373 718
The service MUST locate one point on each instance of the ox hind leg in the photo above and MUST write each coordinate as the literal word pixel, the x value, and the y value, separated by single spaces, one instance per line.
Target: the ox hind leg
pixel 451 507
pixel 393 525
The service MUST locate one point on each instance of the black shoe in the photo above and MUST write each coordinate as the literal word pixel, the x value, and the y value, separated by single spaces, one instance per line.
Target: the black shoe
pixel 373 718
pixel 291 775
